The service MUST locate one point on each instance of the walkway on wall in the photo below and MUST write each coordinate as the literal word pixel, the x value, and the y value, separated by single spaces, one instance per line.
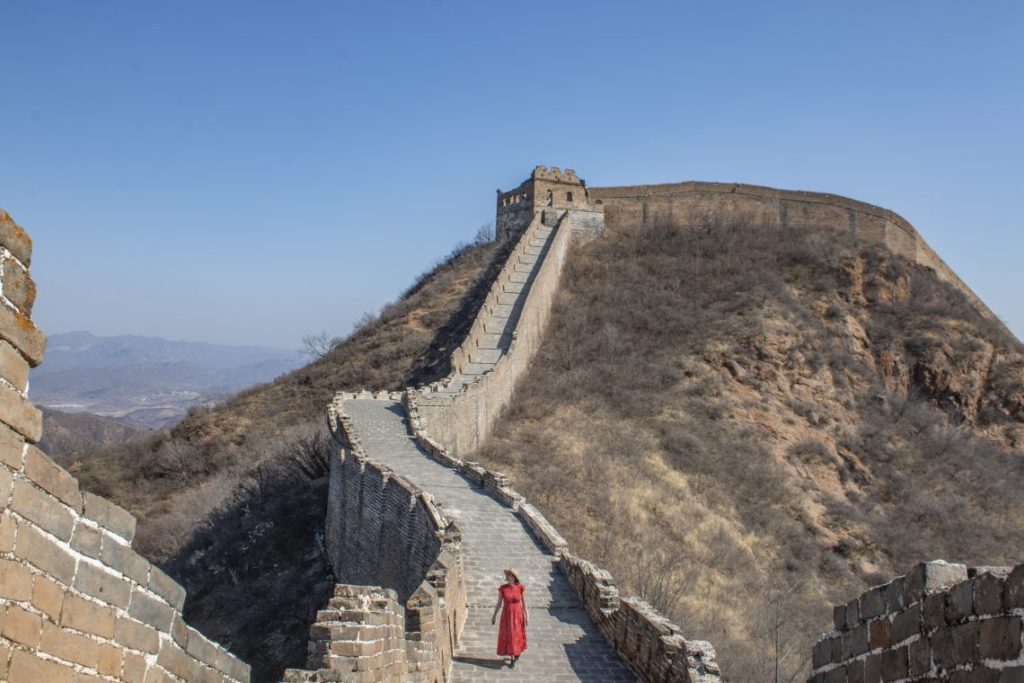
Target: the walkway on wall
pixel 564 645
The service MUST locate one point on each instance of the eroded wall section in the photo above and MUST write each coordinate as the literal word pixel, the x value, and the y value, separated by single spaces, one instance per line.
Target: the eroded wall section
pixel 77 603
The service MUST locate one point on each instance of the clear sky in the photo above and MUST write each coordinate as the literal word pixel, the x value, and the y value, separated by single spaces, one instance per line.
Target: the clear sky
pixel 252 172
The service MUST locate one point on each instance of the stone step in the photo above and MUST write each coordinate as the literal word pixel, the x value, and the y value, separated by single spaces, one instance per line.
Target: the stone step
pixel 489 356
pixel 506 310
pixel 516 276
pixel 473 369
pixel 494 341
pixel 497 325
pixel 513 287
pixel 529 259
pixel 508 298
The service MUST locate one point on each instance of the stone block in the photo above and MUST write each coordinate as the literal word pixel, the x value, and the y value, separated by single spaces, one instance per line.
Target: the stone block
pixel 15 239
pixel 978 674
pixel 18 413
pixel 1014 674
pixel 52 478
pixel 22 334
pixel 1000 638
pixel 956 645
pixel 906 623
pixel 873 668
pixel 934 612
pixel 103 585
pixel 150 610
pixel 109 516
pixel 176 661
pixel 855 642
pixel 43 509
pixel 12 447
pixel 8 531
pixel 852 615
pixel 895 664
pixel 880 633
pixel 839 617
pixel 27 667
pixel 137 636
pixel 17 286
pixel 86 539
pixel 13 366
pixel 1013 591
pixel 836 675
pixel 6 485
pixel 88 617
pixel 167 588
pixel 120 556
pixel 109 659
pixel 22 626
pixel 855 671
pixel 872 604
pixel 69 646
pixel 988 593
pixel 32 545
pixel 48 597
pixel 920 657
pixel 133 668
pixel 960 602
pixel 15 581
pixel 928 577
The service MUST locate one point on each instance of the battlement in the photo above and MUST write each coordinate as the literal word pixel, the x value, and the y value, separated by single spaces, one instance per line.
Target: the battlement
pixel 545 189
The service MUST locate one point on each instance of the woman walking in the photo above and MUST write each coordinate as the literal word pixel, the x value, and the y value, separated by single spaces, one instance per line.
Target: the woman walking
pixel 514 617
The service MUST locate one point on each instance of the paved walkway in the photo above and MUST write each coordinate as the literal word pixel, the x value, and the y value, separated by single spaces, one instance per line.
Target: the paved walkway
pixel 564 645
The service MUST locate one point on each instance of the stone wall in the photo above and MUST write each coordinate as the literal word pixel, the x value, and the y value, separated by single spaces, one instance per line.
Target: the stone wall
pixel 77 603
pixel 545 188
pixel 652 645
pixel 402 607
pixel 693 203
pixel 461 422
pixel 938 622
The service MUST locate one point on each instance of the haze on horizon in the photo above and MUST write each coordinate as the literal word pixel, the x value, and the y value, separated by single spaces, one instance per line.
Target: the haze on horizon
pixel 251 173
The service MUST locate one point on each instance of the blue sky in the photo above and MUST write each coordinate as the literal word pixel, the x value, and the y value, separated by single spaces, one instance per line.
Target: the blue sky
pixel 252 172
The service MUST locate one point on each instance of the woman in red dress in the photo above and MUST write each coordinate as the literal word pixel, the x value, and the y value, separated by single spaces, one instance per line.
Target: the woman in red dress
pixel 514 617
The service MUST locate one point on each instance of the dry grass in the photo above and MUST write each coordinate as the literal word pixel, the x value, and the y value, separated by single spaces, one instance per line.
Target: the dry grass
pixel 747 424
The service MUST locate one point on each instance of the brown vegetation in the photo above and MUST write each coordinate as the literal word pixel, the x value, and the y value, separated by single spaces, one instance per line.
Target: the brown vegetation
pixel 747 424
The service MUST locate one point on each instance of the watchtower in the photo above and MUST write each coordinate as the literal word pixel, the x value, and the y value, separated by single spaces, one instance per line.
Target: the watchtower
pixel 546 189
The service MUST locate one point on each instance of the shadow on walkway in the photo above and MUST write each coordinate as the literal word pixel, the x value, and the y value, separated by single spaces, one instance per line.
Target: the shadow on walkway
pixel 484 662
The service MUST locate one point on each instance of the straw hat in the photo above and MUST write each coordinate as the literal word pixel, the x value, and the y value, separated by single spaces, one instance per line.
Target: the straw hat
pixel 514 575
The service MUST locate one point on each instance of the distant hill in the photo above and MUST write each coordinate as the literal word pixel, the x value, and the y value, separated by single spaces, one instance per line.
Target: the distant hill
pixel 148 381
pixel 69 436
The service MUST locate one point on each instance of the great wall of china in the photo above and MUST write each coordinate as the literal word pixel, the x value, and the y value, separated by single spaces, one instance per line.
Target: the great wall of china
pixel 418 534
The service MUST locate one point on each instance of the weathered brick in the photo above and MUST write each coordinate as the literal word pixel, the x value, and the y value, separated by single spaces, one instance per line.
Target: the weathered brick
pixel 157 674
pixel 12 447
pixel 43 509
pixel 27 667
pixel 854 643
pixel 988 593
pixel 873 668
pixel 15 581
pixel 167 588
pixel 1013 591
pixel 151 611
pixel 6 485
pixel 201 648
pixel 872 603
pixel 69 646
pixel 906 623
pixel 956 645
pixel 86 540
pixel 8 531
pixel 15 239
pixel 175 660
pixel 13 366
pixel 121 557
pixel 48 597
pixel 52 478
pixel 920 656
pixel 852 615
pixel 1000 638
pixel 133 669
pixel 895 664
pixel 44 553
pixel 108 662
pixel 102 585
pixel 23 335
pixel 836 675
pixel 1013 674
pixel 928 577
pixel 839 617
pixel 18 286
pixel 934 612
pixel 22 626
pixel 5 658
pixel 180 631
pixel 88 617
pixel 18 413
pixel 880 634
pixel 109 516
pixel 855 671
pixel 137 636
pixel 960 602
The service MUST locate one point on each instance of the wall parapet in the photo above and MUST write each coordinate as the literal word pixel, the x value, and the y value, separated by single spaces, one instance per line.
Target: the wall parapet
pixel 940 621
pixel 381 529
pixel 652 645
pixel 77 602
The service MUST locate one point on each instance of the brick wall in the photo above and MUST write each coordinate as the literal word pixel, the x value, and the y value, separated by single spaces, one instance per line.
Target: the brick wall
pixel 77 603
pixel 402 604
pixel 693 202
pixel 938 622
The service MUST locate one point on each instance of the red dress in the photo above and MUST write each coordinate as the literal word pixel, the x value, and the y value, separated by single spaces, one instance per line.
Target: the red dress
pixel 512 631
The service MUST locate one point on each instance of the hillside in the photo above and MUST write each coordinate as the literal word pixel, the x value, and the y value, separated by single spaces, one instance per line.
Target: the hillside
pixel 69 436
pixel 148 381
pixel 231 499
pixel 747 423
